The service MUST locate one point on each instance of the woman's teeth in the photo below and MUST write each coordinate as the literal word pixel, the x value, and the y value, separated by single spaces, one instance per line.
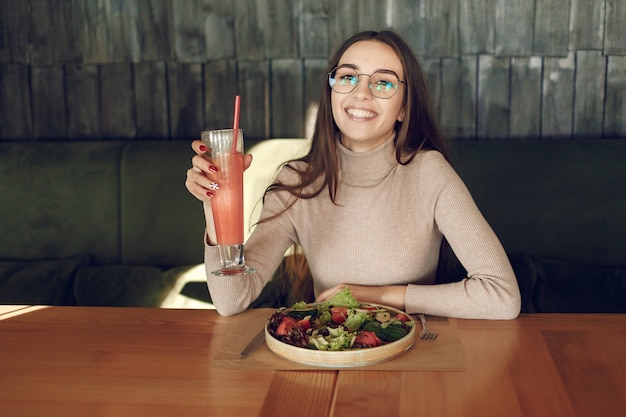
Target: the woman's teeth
pixel 360 114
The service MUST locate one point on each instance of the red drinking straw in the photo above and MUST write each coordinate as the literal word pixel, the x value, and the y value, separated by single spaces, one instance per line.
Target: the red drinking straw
pixel 236 123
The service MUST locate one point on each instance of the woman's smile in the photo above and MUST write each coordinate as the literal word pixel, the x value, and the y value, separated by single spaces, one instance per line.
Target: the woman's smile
pixel 360 114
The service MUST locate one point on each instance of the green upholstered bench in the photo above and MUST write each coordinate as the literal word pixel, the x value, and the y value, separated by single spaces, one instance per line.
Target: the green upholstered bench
pixel 111 223
pixel 559 208
pixel 95 223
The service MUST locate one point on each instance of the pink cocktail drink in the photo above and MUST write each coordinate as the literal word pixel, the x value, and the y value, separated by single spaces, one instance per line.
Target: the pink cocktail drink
pixel 226 152
pixel 227 205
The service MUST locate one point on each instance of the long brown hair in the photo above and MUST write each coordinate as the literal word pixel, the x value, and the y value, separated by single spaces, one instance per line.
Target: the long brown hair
pixel 320 168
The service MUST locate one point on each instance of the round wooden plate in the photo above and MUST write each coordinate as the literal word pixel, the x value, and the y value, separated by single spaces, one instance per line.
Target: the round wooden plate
pixel 342 358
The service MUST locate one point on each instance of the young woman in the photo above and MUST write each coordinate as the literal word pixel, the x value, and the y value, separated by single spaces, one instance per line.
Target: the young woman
pixel 373 200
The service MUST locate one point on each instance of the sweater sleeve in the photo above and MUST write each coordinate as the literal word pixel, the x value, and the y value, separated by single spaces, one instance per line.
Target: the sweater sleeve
pixel 263 251
pixel 490 290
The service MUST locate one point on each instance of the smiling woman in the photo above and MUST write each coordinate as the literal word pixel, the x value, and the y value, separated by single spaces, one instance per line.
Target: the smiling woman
pixel 375 146
pixel 365 113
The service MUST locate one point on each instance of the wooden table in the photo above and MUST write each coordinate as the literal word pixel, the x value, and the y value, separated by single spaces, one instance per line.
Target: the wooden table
pixel 87 361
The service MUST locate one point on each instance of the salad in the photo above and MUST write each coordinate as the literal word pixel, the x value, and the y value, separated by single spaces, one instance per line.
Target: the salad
pixel 340 323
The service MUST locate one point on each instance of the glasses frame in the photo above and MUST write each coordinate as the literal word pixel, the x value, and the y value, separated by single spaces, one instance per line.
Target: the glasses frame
pixel 358 80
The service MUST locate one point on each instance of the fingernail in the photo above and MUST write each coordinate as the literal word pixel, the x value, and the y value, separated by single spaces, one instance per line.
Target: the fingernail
pixel 203 148
pixel 214 186
pixel 209 194
pixel 212 168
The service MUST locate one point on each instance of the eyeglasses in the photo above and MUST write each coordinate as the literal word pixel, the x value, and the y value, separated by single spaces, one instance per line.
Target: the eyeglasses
pixel 382 84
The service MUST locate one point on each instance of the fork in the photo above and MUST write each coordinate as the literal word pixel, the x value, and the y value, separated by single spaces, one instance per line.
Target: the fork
pixel 426 333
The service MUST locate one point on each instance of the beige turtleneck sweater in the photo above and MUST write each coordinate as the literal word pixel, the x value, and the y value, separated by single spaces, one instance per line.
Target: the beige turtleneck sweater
pixel 386 229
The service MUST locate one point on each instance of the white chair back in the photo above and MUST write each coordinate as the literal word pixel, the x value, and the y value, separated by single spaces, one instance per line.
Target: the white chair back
pixel 268 156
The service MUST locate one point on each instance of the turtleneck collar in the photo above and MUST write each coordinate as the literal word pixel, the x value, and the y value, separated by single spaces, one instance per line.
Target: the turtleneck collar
pixel 367 168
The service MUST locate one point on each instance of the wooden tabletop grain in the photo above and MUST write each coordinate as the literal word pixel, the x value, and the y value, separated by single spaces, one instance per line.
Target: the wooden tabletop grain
pixel 92 361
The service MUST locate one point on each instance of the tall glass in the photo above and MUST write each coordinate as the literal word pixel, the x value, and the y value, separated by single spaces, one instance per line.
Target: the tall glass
pixel 227 204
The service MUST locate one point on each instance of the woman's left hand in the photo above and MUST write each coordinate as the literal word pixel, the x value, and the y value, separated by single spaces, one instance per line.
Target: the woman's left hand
pixel 392 296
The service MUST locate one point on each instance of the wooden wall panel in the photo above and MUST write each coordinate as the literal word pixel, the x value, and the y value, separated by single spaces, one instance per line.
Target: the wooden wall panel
pixel 185 99
pixel 49 113
pixel 68 31
pixel 40 25
pixel 111 33
pixel 155 30
pixel 15 113
pixel 117 108
pixel 409 18
pixel 203 31
pixel 442 38
pixel 493 97
pixel 615 32
pixel 14 24
pixel 6 43
pixel 372 14
pixel 188 30
pixel 254 88
pixel 236 46
pixel 313 29
pixel 551 27
pixel 55 34
pixel 432 73
pixel 287 98
pixel 458 90
pixel 586 24
pixel 589 99
pixel 151 100
pixel 514 27
pixel 266 29
pixel 248 36
pixel 343 21
pixel 83 101
pixel 315 79
pixel 615 117
pixel 558 97
pixel 469 87
pixel 220 89
pixel 477 26
pixel 278 22
pixel 525 97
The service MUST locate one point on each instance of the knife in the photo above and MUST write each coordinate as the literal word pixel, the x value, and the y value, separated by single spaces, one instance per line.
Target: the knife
pixel 256 343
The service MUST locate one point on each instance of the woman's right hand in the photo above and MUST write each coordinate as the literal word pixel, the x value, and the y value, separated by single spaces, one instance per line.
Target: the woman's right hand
pixel 201 179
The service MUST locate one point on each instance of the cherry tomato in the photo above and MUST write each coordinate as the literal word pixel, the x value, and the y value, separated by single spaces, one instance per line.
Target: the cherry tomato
pixel 402 317
pixel 305 323
pixel 339 314
pixel 286 325
pixel 366 338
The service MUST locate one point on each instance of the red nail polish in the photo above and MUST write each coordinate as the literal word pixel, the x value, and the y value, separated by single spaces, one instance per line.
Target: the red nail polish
pixel 203 148
pixel 213 168
pixel 209 194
